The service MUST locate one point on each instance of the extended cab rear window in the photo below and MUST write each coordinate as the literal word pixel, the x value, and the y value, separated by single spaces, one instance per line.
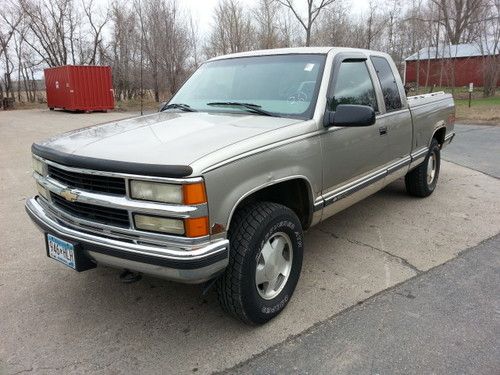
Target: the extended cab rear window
pixel 388 82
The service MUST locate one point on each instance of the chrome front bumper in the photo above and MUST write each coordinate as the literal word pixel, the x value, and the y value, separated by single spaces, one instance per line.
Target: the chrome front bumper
pixel 188 265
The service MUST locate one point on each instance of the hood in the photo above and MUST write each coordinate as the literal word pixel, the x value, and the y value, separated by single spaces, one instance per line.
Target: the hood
pixel 163 138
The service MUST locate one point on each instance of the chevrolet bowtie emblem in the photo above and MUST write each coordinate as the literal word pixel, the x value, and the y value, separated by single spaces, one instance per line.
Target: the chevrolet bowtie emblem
pixel 69 195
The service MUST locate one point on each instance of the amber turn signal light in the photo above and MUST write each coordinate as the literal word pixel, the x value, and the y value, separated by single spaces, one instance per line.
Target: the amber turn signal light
pixel 194 193
pixel 196 226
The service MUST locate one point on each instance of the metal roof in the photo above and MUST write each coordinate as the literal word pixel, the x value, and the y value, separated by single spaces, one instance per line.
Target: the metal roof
pixel 455 51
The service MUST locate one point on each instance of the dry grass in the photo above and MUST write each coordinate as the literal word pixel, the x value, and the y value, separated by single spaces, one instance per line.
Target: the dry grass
pixel 28 105
pixel 482 110
pixel 120 106
pixel 135 105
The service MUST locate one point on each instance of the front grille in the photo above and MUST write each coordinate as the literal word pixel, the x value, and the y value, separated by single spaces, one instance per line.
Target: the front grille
pixel 100 214
pixel 90 182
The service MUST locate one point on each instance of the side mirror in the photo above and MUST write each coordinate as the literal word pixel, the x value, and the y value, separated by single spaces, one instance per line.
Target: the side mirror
pixel 162 104
pixel 350 115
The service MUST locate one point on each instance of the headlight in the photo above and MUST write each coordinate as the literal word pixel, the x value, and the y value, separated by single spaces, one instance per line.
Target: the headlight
pixel 156 191
pixel 193 193
pixel 159 224
pixel 39 166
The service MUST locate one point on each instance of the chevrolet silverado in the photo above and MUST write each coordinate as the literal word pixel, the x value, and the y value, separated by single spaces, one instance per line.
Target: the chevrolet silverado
pixel 219 186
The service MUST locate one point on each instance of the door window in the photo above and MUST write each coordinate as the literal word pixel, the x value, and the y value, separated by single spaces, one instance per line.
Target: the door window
pixel 353 86
pixel 388 82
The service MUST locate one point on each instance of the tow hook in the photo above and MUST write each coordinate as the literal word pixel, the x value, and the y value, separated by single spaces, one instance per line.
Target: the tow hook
pixel 129 277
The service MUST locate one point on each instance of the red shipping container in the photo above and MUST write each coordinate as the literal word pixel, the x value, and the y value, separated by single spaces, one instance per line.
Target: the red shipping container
pixel 79 88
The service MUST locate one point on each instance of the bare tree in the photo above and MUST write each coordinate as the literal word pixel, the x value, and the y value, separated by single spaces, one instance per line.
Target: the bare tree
pixel 335 28
pixel 124 51
pixel 375 23
pixel 459 17
pixel 288 29
pixel 489 43
pixel 53 25
pixel 96 25
pixel 63 31
pixel 177 48
pixel 267 24
pixel 10 22
pixel 313 11
pixel 151 22
pixel 392 25
pixel 232 30
pixel 195 41
pixel 157 39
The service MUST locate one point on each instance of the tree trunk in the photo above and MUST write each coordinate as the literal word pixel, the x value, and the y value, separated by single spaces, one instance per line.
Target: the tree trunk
pixel 418 71
pixel 22 69
pixel 33 83
pixel 19 82
pixel 491 71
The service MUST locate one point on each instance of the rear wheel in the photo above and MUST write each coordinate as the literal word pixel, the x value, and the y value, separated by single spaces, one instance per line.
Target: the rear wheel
pixel 266 258
pixel 422 180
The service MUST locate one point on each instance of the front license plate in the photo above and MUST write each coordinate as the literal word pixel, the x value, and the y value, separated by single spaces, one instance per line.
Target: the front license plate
pixel 61 250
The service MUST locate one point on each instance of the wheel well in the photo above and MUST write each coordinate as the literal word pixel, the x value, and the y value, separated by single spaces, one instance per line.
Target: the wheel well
pixel 439 135
pixel 294 194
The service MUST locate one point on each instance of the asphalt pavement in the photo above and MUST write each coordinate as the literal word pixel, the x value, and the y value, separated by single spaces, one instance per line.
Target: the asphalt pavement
pixel 476 147
pixel 443 322
pixel 57 321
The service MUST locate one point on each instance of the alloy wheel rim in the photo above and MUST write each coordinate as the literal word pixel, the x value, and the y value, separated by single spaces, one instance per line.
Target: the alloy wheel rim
pixel 431 168
pixel 274 264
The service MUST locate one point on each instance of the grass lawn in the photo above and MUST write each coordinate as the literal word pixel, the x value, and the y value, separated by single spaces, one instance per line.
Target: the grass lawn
pixel 481 110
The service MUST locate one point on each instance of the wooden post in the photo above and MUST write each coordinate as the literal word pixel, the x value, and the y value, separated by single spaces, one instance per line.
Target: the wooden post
pixel 471 88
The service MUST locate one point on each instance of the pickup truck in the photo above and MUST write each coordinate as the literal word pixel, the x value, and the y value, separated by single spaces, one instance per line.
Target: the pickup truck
pixel 219 186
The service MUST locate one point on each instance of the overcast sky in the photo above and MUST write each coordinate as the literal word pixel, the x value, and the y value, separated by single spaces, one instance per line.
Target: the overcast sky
pixel 202 10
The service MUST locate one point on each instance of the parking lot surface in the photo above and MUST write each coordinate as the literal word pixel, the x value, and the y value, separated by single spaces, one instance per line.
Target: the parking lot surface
pixel 57 321
pixel 477 147
pixel 443 322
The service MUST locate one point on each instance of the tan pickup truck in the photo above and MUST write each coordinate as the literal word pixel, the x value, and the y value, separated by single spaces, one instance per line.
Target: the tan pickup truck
pixel 218 187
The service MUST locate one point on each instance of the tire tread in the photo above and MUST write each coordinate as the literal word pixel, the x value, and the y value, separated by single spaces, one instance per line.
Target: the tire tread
pixel 416 179
pixel 245 223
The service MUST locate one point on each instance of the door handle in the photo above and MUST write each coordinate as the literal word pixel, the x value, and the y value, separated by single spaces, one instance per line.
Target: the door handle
pixel 382 130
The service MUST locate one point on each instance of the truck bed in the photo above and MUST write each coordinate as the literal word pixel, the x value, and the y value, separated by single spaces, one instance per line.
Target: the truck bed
pixel 433 97
pixel 430 112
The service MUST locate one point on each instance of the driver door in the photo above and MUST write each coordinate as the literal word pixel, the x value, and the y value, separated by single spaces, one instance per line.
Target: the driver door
pixel 352 156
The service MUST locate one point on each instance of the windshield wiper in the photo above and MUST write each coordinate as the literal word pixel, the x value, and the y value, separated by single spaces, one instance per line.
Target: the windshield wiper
pixel 253 107
pixel 182 107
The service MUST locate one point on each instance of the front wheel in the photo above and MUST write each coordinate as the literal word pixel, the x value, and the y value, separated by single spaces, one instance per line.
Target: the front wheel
pixel 266 242
pixel 422 180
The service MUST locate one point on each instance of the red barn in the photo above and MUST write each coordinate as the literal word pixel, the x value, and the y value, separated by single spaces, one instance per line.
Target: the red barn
pixel 452 65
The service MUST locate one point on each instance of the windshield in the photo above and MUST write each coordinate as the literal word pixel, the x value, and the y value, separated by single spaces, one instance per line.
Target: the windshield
pixel 283 85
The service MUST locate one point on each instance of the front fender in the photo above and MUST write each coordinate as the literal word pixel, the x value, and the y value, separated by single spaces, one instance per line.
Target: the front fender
pixel 229 184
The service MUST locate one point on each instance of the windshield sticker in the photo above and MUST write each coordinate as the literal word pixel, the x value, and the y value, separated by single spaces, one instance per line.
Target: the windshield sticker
pixel 309 67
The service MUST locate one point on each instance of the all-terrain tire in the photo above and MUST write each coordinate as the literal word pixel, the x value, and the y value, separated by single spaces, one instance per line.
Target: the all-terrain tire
pixel 252 227
pixel 418 181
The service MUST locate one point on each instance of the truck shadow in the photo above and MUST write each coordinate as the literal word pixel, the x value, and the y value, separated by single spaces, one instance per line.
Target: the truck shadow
pixel 181 299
